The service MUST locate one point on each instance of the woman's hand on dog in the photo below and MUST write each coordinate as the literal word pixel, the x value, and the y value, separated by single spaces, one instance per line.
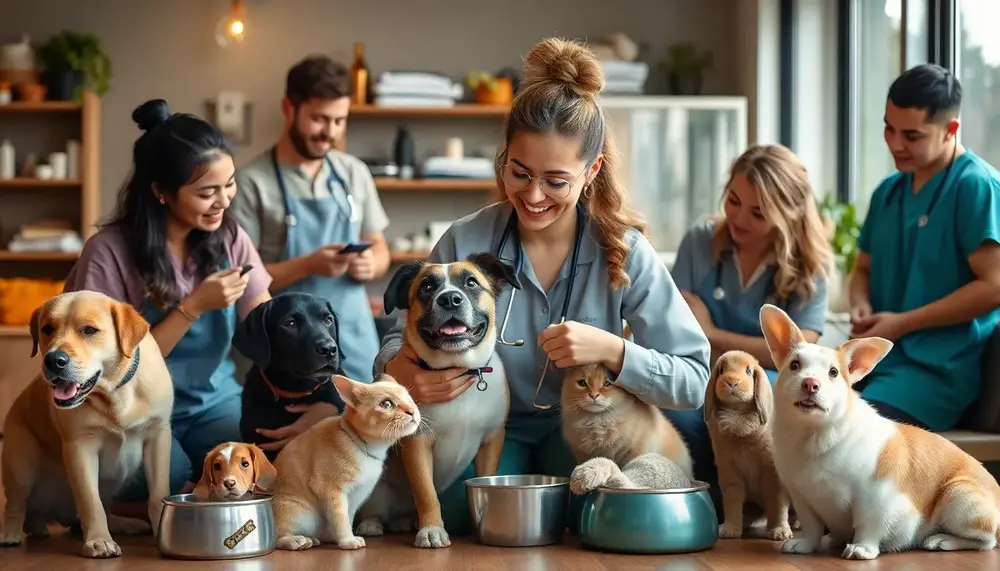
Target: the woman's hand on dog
pixel 311 414
pixel 426 386
pixel 216 291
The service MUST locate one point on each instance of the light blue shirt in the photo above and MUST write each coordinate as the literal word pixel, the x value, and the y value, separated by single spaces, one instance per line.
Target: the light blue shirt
pixel 933 375
pixel 667 364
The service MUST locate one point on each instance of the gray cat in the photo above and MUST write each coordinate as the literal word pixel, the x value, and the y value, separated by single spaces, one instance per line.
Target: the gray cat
pixel 649 471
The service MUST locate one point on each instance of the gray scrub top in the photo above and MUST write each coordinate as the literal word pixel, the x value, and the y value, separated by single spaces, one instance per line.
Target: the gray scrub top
pixel 667 364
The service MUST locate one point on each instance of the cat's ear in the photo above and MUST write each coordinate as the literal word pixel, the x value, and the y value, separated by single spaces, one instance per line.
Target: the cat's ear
pixel 347 389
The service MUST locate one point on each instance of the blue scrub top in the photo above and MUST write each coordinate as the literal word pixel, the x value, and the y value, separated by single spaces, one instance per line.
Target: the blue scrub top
pixel 933 375
pixel 667 364
pixel 697 270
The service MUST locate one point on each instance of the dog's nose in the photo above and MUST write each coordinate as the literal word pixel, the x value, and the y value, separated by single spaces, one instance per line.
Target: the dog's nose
pixel 326 349
pixel 229 483
pixel 810 385
pixel 450 300
pixel 56 360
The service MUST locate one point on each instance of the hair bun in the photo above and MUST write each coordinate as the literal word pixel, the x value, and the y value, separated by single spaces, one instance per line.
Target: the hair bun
pixel 564 62
pixel 150 114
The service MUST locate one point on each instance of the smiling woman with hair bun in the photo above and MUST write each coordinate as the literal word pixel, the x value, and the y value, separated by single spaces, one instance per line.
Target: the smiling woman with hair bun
pixel 561 220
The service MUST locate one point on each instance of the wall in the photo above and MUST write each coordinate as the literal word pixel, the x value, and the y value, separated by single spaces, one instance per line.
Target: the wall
pixel 166 49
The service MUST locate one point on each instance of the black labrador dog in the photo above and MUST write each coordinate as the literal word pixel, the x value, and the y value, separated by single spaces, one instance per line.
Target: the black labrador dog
pixel 294 343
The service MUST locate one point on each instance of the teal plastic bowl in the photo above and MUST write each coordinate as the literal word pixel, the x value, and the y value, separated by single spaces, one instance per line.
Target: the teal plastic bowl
pixel 681 520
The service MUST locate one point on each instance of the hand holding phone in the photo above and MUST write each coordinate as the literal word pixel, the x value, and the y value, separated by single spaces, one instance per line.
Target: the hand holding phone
pixel 355 248
pixel 246 268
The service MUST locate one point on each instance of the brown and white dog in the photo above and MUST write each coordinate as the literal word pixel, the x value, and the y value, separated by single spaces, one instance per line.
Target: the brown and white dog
pixel 450 322
pixel 233 470
pixel 877 485
pixel 98 410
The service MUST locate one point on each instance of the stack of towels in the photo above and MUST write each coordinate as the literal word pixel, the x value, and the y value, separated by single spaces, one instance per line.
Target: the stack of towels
pixel 416 89
pixel 461 167
pixel 46 236
pixel 624 77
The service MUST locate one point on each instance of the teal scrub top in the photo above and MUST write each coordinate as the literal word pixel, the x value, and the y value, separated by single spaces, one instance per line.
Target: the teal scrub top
pixel 666 362
pixel 933 375
pixel 697 270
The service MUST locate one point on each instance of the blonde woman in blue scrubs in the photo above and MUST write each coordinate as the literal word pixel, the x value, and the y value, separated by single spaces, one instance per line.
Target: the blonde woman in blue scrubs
pixel 563 213
pixel 927 275
pixel 769 246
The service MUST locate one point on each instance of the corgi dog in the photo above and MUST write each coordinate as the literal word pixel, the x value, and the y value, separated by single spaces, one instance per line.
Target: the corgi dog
pixel 879 486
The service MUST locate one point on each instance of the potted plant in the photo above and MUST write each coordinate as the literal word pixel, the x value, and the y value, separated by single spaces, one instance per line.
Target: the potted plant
pixel 74 61
pixel 490 89
pixel 843 228
pixel 685 65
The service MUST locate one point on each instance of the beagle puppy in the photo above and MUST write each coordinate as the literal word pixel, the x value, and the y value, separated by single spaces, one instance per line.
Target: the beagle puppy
pixel 233 470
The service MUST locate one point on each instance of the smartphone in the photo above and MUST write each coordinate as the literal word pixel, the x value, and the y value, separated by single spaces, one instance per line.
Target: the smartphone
pixel 245 269
pixel 355 248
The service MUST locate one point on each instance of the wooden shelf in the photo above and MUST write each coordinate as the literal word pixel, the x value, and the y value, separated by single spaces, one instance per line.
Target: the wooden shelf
pixel 8 256
pixel 439 184
pixel 41 107
pixel 459 110
pixel 37 183
pixel 403 257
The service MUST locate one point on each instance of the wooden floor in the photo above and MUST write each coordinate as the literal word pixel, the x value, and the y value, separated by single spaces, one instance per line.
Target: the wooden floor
pixel 396 553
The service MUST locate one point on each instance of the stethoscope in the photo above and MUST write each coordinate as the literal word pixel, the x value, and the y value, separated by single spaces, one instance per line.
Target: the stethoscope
pixel 290 218
pixel 511 228
pixel 719 292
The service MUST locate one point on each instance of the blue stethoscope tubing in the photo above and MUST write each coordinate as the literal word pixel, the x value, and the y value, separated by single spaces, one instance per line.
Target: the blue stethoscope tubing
pixel 511 228
pixel 290 219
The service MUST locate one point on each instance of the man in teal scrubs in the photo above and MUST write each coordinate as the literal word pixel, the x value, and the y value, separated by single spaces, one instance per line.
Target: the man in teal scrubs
pixel 927 275
pixel 301 201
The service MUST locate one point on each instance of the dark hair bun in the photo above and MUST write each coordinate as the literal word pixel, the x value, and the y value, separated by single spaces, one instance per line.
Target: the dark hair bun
pixel 564 62
pixel 150 114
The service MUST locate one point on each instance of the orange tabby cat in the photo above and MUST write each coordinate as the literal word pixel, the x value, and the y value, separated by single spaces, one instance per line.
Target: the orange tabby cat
pixel 326 473
pixel 600 419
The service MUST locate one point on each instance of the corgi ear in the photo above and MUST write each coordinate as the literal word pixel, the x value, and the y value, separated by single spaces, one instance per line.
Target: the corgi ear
pixel 203 489
pixel 861 355
pixel 264 473
pixel 780 333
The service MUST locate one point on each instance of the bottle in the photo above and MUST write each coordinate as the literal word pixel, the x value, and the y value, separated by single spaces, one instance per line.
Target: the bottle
pixel 6 160
pixel 359 75
pixel 405 158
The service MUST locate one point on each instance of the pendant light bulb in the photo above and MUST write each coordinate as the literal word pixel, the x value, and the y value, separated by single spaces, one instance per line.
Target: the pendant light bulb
pixel 231 28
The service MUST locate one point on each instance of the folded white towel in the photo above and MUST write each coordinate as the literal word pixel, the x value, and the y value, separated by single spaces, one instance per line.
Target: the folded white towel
pixel 401 101
pixel 465 167
pixel 417 89
pixel 415 78
pixel 626 70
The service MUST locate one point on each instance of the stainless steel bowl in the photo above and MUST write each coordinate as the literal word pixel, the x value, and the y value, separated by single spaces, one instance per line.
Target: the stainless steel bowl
pixel 518 511
pixel 681 520
pixel 194 529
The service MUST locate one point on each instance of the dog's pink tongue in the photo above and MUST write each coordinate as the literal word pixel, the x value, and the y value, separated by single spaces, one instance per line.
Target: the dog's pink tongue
pixel 64 391
pixel 453 329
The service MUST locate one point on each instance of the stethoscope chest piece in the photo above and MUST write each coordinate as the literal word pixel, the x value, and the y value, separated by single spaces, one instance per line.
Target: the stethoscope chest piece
pixel 923 220
pixel 290 220
pixel 719 294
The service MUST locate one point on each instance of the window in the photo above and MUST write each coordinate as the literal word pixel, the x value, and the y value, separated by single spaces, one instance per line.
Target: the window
pixel 880 49
pixel 977 65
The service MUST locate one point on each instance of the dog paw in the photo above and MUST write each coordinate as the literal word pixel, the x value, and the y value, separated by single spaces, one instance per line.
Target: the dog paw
pixel 432 536
pixel 296 542
pixel 730 531
pixel 801 546
pixel 127 525
pixel 858 551
pixel 780 533
pixel 350 543
pixel 11 539
pixel 370 527
pixel 591 475
pixel 101 549
pixel 948 542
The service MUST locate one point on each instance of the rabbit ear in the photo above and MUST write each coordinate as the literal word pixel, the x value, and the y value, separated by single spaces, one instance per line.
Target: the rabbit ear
pixel 708 409
pixel 763 396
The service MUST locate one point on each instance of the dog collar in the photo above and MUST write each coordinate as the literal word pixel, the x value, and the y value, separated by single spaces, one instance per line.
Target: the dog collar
pixel 480 384
pixel 279 393
pixel 130 373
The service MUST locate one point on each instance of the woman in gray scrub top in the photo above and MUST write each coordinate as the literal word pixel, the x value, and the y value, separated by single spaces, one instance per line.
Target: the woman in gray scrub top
pixel 558 172
pixel 172 251
pixel 769 246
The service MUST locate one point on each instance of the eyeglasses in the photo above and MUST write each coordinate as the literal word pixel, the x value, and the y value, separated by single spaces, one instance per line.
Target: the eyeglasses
pixel 516 178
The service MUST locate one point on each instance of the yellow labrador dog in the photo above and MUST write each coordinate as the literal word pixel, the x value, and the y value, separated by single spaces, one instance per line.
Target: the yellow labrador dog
pixel 98 410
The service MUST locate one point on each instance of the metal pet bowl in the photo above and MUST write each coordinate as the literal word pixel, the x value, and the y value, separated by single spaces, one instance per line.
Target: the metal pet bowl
pixel 681 520
pixel 236 529
pixel 518 511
